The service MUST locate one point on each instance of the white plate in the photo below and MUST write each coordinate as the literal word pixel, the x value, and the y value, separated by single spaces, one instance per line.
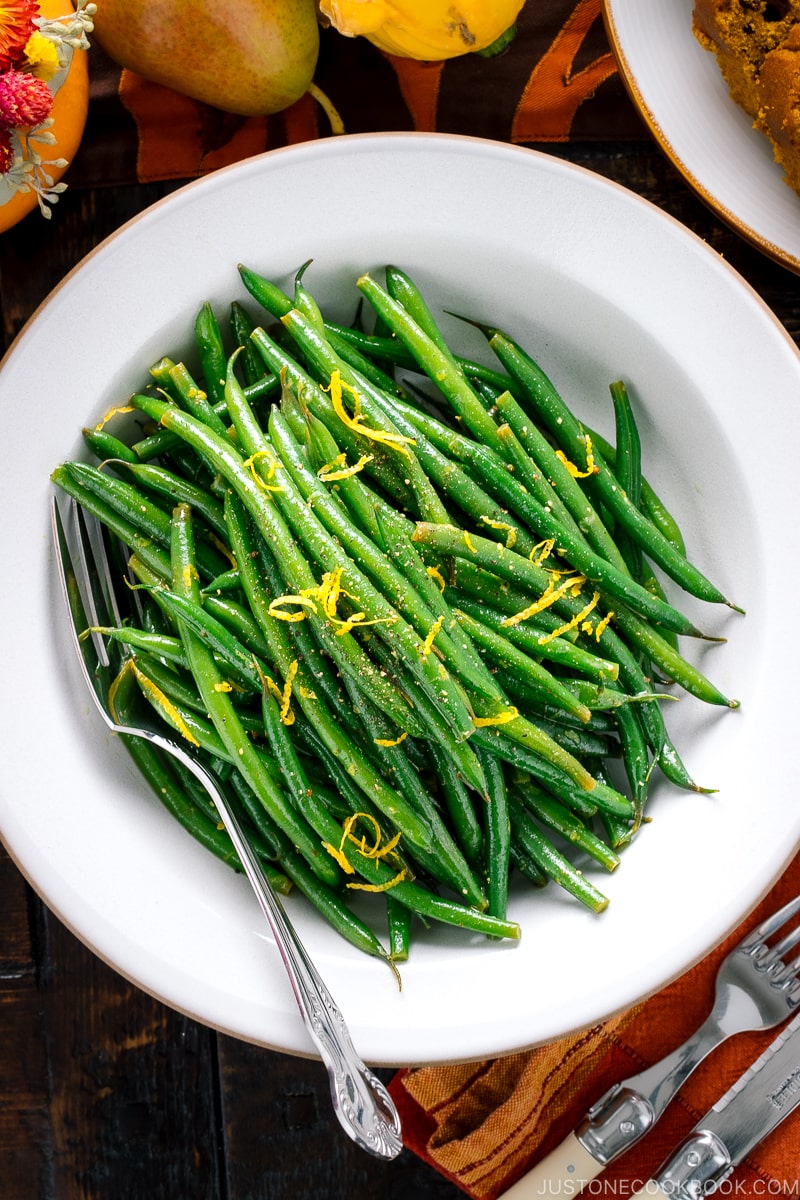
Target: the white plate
pixel 679 91
pixel 601 285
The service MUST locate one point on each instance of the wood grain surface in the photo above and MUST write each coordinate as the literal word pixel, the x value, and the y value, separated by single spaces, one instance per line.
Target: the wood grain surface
pixel 105 1094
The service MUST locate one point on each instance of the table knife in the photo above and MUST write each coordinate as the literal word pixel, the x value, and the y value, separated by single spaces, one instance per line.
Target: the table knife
pixel 761 1098
pixel 758 1102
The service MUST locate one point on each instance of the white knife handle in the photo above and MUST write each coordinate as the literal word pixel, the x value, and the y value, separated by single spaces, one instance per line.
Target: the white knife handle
pixel 565 1172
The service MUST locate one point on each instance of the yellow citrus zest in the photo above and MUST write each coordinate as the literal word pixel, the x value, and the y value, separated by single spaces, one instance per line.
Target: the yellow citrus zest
pixel 541 551
pixel 468 542
pixel 262 480
pixel 501 718
pixel 553 592
pixel 378 850
pixel 276 608
pixel 427 645
pixel 155 694
pixel 576 472
pixel 511 532
pixel 391 741
pixel 338 468
pixel 577 620
pixel 117 410
pixel 436 574
pixel 386 438
pixel 284 695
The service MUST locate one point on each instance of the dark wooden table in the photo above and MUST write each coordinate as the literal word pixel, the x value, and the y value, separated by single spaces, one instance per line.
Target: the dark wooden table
pixel 105 1094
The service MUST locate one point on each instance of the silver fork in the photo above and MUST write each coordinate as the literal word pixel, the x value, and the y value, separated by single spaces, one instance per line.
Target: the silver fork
pixel 361 1102
pixel 756 988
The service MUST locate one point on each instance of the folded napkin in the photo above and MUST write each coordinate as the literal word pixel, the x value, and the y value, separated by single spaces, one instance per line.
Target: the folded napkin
pixel 557 81
pixel 484 1124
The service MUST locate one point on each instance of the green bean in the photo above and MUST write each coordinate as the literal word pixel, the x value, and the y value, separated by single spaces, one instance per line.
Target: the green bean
pixel 159 645
pixel 323 455
pixel 557 817
pixel 504 653
pixel 161 771
pixel 327 901
pixel 242 326
pixel 518 570
pixel 651 503
pixel 563 483
pixel 338 742
pixel 611 582
pixel 175 379
pixel 156 557
pixel 567 431
pixel 328 553
pixel 538 644
pixel 106 446
pixel 458 803
pixel 174 487
pixel 398 919
pixel 225 459
pixel 498 836
pixel 148 518
pixel 435 727
pixel 522 861
pixel 396 586
pixel 636 758
pixel 212 353
pixel 433 358
pixel 583 801
pixel 521 502
pixel 628 469
pixel 449 862
pixel 211 685
pixel 315 347
pixel 228 583
pixel 239 621
pixel 551 861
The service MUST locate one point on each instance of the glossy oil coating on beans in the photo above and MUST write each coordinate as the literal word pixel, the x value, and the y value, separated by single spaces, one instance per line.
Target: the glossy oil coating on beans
pixel 407 605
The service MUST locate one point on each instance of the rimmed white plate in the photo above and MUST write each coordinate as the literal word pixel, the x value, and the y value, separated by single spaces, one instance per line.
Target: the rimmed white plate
pixel 682 97
pixel 600 284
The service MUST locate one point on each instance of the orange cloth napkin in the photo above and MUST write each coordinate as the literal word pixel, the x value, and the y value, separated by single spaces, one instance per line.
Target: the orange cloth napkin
pixel 484 1124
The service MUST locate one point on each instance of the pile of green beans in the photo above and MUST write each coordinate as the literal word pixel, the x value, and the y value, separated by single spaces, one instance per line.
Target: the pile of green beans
pixel 406 606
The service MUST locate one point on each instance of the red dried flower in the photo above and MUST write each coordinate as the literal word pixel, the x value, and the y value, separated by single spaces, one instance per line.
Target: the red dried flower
pixel 16 26
pixel 24 100
pixel 6 151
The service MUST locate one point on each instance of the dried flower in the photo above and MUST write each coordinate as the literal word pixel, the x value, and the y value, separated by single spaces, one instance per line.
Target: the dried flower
pixel 35 55
pixel 24 100
pixel 41 56
pixel 17 23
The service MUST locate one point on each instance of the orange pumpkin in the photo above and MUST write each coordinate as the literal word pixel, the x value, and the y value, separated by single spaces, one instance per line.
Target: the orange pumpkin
pixel 70 107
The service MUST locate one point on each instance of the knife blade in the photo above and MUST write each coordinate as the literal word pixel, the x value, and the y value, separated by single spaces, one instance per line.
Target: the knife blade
pixel 760 1099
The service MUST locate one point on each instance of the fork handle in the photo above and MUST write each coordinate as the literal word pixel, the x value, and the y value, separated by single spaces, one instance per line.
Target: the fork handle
pixel 659 1083
pixel 566 1171
pixel 362 1105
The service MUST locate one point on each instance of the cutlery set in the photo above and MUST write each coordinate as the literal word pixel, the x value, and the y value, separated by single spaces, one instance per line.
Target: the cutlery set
pixel 756 989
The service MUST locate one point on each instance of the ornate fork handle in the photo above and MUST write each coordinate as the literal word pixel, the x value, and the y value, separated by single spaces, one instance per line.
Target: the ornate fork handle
pixel 361 1103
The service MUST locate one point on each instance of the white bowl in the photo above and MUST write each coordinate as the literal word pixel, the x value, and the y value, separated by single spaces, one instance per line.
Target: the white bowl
pixel 599 284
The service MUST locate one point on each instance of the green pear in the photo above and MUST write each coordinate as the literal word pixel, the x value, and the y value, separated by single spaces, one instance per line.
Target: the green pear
pixel 249 57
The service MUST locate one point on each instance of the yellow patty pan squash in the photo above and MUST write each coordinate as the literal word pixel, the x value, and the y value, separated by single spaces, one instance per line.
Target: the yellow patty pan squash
pixel 423 29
